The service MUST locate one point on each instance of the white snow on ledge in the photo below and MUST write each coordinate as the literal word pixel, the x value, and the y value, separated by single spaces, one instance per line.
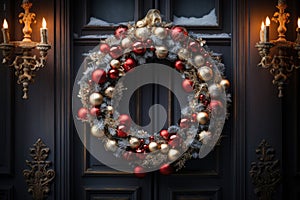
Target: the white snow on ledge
pixel 99 22
pixel 207 20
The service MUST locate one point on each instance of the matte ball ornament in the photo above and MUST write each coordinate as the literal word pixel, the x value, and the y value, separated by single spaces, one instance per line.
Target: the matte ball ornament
pixel 138 48
pixel 120 32
pixel 113 74
pixel 97 132
pixel 199 60
pixel 126 43
pixel 225 83
pixel 160 32
pixel 115 51
pixel 187 85
pixel 111 145
pixel 82 113
pixel 115 63
pixel 166 169
pixel 153 146
pixel 179 65
pixel 134 142
pixel 178 33
pixel 95 111
pixel 164 148
pixel 125 119
pixel 104 48
pixel 173 155
pixel 99 76
pixel 184 123
pixel 129 64
pixel 139 172
pixel 96 99
pixel 161 52
pixel 205 73
pixel 110 109
pixel 184 54
pixel 202 118
pixel 109 91
pixel 164 134
pixel 142 33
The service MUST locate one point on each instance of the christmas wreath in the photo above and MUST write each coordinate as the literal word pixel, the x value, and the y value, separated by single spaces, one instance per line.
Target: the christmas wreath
pixel 152 41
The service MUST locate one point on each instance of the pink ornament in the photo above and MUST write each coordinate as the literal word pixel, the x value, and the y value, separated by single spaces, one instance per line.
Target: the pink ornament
pixel 104 48
pixel 115 51
pixel 165 169
pixel 99 76
pixel 187 85
pixel 139 172
pixel 164 134
pixel 125 120
pixel 82 113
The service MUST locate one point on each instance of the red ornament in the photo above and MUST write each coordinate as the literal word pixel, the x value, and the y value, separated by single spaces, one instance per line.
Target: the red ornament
pixel 120 32
pixel 146 147
pixel 139 172
pixel 187 85
pixel 121 132
pixel 129 64
pixel 174 141
pixel 104 48
pixel 82 113
pixel 201 97
pixel 215 104
pixel 99 76
pixel 194 46
pixel 164 133
pixel 138 48
pixel 95 111
pixel 178 33
pixel 113 74
pixel 166 169
pixel 151 138
pixel 194 117
pixel 184 123
pixel 115 51
pixel 125 119
pixel 179 65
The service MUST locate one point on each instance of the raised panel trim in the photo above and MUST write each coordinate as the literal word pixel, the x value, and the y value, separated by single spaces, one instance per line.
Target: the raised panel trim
pixel 133 193
pixel 213 193
pixel 6 193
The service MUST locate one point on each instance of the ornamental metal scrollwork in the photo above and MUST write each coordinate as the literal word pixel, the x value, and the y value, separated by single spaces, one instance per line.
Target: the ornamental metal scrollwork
pixel 265 173
pixel 39 177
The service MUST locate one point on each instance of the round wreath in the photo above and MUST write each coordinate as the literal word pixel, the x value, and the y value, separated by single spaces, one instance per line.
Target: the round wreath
pixel 152 41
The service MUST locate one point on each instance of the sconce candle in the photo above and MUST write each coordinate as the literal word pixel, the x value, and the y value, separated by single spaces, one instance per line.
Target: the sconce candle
pixel 5 32
pixel 262 32
pixel 44 32
pixel 267 30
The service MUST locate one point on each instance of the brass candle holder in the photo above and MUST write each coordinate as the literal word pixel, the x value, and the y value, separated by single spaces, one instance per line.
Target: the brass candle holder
pixel 280 56
pixel 20 55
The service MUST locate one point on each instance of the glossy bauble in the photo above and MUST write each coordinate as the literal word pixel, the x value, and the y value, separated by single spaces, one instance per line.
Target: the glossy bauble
pixel 115 63
pixel 194 46
pixel 134 142
pixel 178 33
pixel 187 85
pixel 153 146
pixel 160 32
pixel 205 73
pixel 104 48
pixel 111 145
pixel 142 33
pixel 115 52
pixel 126 43
pixel 215 90
pixel 139 172
pixel 138 48
pixel 164 134
pixel 109 109
pixel 164 148
pixel 204 136
pixel 184 54
pixel 122 131
pixel 99 76
pixel 129 64
pixel 225 83
pixel 113 74
pixel 202 118
pixel 166 169
pixel 125 120
pixel 175 141
pixel 184 123
pixel 109 91
pixel 215 105
pixel 97 132
pixel 95 111
pixel 96 99
pixel 82 113
pixel 173 154
pixel 120 32
pixel 161 52
pixel 199 60
pixel 179 65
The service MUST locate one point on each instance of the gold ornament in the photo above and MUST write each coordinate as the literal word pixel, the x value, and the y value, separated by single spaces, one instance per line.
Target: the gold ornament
pixel 183 54
pixel 126 43
pixel 173 155
pixel 109 91
pixel 142 33
pixel 225 83
pixel 115 63
pixel 161 52
pixel 96 99
pixel 204 136
pixel 110 109
pixel 199 60
pixel 97 132
pixel 160 32
pixel 134 142
pixel 215 90
pixel 205 73
pixel 111 145
pixel 202 117
pixel 164 148
pixel 153 146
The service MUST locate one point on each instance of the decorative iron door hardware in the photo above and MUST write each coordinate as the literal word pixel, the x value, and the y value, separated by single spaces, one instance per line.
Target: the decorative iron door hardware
pixel 39 177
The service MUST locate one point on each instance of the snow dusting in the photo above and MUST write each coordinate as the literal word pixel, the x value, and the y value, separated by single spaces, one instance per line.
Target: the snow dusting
pixel 207 20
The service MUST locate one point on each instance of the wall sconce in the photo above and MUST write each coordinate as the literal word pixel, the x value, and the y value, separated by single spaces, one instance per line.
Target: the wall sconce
pixel 285 55
pixel 19 54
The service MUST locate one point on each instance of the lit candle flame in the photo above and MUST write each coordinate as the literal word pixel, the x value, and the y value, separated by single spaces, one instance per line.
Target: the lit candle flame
pixel 44 23
pixel 299 22
pixel 268 21
pixel 262 26
pixel 5 24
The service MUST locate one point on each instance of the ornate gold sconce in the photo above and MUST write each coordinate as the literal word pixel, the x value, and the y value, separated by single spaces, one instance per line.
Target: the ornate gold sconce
pixel 280 56
pixel 25 62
